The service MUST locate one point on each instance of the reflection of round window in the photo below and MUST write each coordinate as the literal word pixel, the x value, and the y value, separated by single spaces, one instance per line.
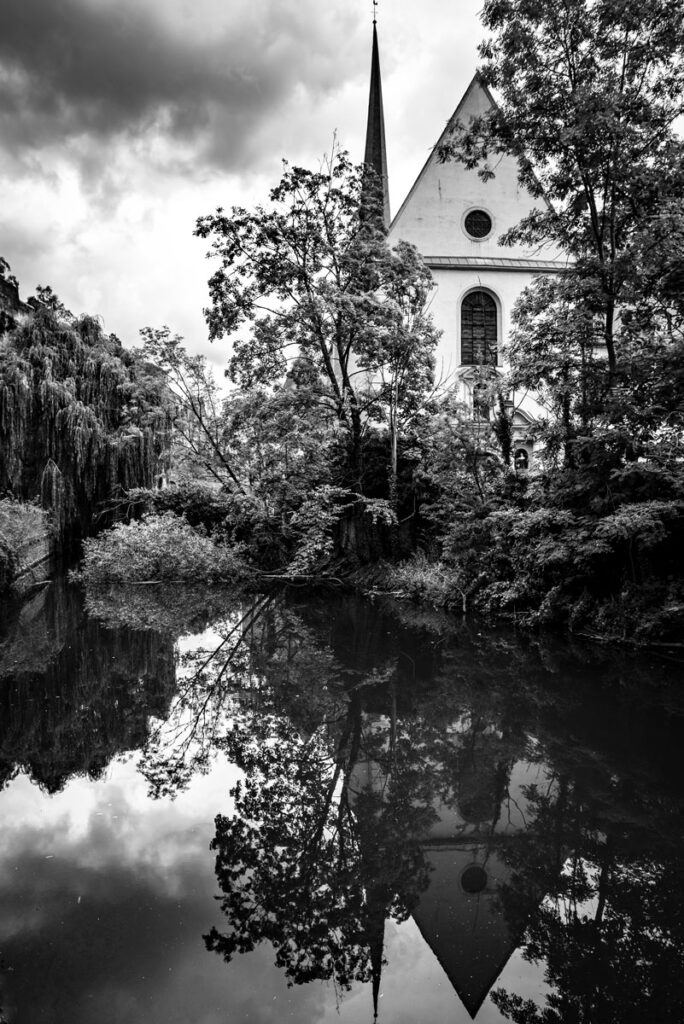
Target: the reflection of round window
pixel 477 223
pixel 474 879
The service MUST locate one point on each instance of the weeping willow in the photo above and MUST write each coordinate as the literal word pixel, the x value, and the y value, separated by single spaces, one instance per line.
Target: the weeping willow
pixel 80 418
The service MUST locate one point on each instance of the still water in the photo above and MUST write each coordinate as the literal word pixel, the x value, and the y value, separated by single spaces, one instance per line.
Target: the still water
pixel 225 808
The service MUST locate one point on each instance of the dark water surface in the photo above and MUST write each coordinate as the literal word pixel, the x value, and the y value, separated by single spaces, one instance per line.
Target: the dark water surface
pixel 220 808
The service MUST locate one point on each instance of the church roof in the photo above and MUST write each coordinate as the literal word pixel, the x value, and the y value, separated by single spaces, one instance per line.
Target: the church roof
pixel 376 151
pixel 496 263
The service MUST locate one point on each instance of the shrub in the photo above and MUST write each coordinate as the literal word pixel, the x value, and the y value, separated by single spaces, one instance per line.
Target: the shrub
pixel 158 547
pixel 418 580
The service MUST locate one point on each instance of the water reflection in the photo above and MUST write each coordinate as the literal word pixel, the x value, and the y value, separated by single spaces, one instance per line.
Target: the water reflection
pixel 74 693
pixel 503 794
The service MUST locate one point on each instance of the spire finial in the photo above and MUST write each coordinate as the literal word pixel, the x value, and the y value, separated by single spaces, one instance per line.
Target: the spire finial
pixel 375 12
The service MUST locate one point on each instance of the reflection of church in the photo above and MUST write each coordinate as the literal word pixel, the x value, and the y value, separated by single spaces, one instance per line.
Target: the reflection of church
pixel 475 824
pixel 461 915
pixel 455 220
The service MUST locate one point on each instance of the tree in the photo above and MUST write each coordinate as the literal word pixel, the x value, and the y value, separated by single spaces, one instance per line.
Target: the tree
pixel 198 431
pixel 311 276
pixel 79 416
pixel 269 449
pixel 590 92
pixel 313 859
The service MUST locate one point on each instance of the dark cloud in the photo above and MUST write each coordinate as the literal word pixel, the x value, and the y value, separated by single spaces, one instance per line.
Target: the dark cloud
pixel 82 73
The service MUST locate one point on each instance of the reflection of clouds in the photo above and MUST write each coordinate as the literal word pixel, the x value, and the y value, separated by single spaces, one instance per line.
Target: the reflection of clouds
pixel 96 824
pixel 91 844
pixel 104 898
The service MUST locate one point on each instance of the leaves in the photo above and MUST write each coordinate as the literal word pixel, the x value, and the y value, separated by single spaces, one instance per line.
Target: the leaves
pixel 79 417
pixel 157 547
pixel 310 281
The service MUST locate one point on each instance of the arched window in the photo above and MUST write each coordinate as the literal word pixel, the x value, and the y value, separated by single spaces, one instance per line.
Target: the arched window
pixel 478 329
pixel 522 460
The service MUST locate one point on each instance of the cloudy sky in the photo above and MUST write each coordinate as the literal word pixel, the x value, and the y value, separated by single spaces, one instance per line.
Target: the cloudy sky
pixel 122 121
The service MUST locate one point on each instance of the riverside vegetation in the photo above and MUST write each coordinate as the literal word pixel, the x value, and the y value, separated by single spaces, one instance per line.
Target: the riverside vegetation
pixel 336 453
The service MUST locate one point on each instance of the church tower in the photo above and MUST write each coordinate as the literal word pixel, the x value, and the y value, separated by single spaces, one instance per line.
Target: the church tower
pixel 375 155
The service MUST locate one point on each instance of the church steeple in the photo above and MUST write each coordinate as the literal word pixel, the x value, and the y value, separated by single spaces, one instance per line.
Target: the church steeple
pixel 376 153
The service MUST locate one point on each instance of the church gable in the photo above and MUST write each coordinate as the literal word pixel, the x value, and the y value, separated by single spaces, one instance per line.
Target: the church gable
pixel 451 212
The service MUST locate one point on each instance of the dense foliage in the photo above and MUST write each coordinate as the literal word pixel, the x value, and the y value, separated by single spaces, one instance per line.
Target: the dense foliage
pixel 332 358
pixel 589 95
pixel 158 547
pixel 315 299
pixel 79 415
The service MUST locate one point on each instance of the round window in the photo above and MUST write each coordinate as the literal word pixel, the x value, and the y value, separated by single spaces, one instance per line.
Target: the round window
pixel 474 879
pixel 477 223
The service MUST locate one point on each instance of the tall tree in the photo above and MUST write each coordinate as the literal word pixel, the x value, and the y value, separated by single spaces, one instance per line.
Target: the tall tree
pixel 590 92
pixel 310 276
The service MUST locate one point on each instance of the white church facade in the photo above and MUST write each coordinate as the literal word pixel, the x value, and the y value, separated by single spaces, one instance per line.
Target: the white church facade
pixel 455 220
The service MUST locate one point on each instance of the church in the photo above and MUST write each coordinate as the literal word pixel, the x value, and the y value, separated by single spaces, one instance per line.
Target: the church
pixel 455 221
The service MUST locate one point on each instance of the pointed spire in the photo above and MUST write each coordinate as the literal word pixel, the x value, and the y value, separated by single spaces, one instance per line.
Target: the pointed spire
pixel 376 153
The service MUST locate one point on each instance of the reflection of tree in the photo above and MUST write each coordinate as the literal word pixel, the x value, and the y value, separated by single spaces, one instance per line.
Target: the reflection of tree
pixel 343 770
pixel 173 611
pixel 297 870
pixel 610 929
pixel 309 861
pixel 351 726
pixel 73 693
pixel 211 680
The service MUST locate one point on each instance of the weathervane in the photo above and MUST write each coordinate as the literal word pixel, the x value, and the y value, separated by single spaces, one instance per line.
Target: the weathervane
pixel 375 12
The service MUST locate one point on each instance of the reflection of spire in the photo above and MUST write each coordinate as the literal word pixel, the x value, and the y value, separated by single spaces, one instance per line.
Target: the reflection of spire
pixel 376 154
pixel 376 939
